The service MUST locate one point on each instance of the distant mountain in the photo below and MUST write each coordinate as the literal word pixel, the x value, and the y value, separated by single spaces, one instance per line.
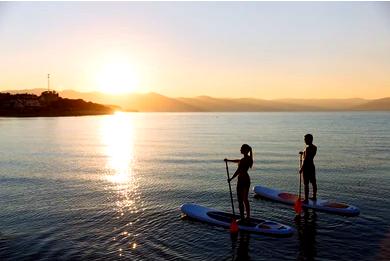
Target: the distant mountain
pixel 205 103
pixel 154 102
pixel 375 105
pixel 327 104
pixel 134 102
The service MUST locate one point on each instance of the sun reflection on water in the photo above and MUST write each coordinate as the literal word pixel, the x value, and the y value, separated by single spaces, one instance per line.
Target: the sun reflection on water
pixel 117 136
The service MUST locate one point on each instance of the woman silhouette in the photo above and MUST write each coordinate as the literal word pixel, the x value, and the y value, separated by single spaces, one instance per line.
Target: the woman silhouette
pixel 243 180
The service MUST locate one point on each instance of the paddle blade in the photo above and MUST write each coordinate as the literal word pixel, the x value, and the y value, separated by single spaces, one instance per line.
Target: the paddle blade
pixel 298 206
pixel 234 226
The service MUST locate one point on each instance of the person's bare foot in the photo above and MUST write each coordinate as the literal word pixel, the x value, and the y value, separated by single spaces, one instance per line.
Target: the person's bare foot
pixel 242 221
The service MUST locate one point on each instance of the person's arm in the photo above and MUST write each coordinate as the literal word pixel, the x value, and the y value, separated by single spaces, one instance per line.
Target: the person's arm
pixel 302 155
pixel 238 171
pixel 235 174
pixel 234 160
pixel 301 169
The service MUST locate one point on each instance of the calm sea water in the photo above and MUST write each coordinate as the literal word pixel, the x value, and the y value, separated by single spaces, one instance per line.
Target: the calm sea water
pixel 110 187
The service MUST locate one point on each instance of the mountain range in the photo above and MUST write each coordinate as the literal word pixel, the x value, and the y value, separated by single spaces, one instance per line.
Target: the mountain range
pixel 154 102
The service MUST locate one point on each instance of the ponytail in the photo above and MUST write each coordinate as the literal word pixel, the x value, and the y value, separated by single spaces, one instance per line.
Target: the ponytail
pixel 251 156
pixel 248 149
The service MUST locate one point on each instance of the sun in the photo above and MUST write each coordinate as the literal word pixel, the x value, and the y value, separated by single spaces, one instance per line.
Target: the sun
pixel 117 77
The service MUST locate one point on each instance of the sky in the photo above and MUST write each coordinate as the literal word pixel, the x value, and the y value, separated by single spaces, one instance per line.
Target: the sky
pixel 267 50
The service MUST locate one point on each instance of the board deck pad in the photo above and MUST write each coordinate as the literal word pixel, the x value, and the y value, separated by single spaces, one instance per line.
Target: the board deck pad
pixel 227 217
pixel 224 219
pixel 319 204
pixel 288 196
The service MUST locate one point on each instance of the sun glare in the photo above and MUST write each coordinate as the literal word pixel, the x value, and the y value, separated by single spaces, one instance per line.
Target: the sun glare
pixel 117 77
pixel 117 136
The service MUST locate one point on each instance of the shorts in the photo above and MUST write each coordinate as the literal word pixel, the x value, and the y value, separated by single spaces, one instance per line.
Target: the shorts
pixel 309 175
pixel 243 184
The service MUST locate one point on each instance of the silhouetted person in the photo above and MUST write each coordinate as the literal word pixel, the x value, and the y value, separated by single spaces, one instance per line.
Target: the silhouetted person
pixel 243 180
pixel 308 169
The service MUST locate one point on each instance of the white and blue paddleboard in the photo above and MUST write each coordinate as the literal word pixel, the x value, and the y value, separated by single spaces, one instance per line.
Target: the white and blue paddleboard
pixel 224 219
pixel 319 204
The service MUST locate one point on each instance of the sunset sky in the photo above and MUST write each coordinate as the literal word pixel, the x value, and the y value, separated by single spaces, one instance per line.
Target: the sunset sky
pixel 264 50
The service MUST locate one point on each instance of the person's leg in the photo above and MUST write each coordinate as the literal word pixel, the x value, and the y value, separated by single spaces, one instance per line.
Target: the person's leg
pixel 314 184
pixel 306 185
pixel 306 193
pixel 246 202
pixel 240 202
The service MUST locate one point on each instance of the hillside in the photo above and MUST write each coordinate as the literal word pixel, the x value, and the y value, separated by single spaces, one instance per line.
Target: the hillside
pixel 205 103
pixel 49 103
pixel 375 105
pixel 326 104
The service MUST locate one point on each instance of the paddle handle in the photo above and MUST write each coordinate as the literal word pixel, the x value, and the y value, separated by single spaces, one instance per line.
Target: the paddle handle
pixel 230 188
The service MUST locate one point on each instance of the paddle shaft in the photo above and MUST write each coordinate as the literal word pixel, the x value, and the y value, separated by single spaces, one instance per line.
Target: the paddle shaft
pixel 230 188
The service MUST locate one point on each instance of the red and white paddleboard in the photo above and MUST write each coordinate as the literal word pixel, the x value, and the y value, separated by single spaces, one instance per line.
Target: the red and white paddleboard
pixel 319 204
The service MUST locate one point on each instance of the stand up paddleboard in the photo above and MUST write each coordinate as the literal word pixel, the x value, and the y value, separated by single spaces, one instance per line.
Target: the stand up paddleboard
pixel 319 204
pixel 224 219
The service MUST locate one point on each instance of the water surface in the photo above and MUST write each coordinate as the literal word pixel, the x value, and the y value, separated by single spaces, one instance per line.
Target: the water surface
pixel 110 187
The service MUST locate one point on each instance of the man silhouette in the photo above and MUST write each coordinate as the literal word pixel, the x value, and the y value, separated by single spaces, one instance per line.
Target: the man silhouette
pixel 308 169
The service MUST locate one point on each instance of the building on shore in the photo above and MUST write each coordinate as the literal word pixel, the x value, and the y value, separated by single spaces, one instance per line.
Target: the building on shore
pixel 26 102
pixel 20 102
pixel 48 97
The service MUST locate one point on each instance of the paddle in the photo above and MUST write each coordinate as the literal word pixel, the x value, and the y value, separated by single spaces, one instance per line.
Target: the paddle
pixel 298 202
pixel 233 225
